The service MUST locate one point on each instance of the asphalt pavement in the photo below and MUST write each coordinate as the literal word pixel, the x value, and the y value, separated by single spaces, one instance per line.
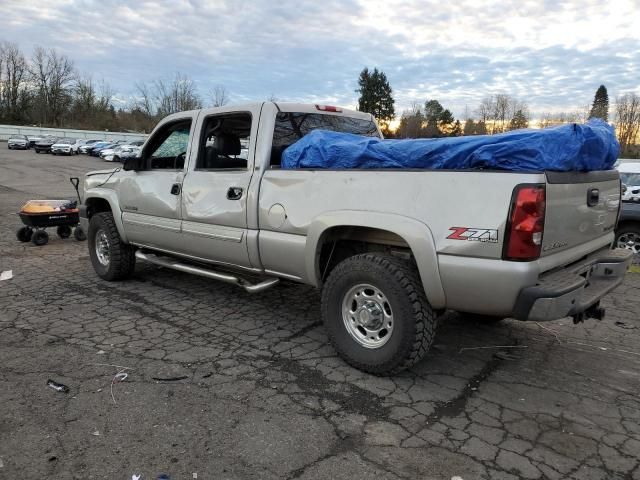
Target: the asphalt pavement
pixel 222 384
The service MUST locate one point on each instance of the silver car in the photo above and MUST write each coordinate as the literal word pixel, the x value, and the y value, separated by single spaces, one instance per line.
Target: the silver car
pixel 18 142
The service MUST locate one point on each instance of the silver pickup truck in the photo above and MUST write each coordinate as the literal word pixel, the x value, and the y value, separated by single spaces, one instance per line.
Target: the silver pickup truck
pixel 390 249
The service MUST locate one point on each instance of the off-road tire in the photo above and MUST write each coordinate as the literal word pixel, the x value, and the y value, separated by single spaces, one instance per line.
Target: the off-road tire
pixel 415 321
pixel 122 258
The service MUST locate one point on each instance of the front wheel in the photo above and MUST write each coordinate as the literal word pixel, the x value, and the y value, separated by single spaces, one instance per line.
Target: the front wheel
pixel 376 313
pixel 112 259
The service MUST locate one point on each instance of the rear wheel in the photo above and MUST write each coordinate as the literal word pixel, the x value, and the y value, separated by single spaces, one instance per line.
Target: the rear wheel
pixel 24 234
pixel 629 237
pixel 40 238
pixel 112 259
pixel 376 313
pixel 64 231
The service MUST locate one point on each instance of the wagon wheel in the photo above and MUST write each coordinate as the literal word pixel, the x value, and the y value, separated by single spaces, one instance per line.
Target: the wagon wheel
pixel 24 234
pixel 79 234
pixel 40 237
pixel 64 231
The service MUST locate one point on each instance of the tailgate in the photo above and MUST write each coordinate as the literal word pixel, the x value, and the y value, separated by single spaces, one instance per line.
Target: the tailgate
pixel 580 207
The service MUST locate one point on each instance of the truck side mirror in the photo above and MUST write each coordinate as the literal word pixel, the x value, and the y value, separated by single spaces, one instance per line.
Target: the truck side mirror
pixel 131 163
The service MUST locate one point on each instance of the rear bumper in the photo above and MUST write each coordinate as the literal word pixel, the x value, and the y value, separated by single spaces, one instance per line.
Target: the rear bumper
pixel 573 291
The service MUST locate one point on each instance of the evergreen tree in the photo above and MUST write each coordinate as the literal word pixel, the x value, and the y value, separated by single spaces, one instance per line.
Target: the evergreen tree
pixel 600 107
pixel 445 123
pixel 518 121
pixel 456 131
pixel 433 112
pixel 481 128
pixel 376 96
pixel 470 127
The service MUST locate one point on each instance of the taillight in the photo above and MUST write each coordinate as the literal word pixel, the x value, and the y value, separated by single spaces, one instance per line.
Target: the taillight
pixel 328 108
pixel 523 238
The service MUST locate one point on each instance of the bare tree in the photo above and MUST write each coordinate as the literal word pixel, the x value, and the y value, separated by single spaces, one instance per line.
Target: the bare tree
pixel 52 75
pixel 628 120
pixel 145 103
pixel 161 97
pixel 219 96
pixel 13 81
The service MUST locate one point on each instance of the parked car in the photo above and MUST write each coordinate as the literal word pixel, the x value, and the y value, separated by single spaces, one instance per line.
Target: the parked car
pixel 33 139
pixel 66 146
pixel 119 152
pixel 45 144
pixel 137 143
pixel 630 178
pixel 390 250
pixel 98 147
pixel 18 142
pixel 88 145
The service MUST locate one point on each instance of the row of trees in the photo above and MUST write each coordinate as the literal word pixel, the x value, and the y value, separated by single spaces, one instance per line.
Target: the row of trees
pixel 495 114
pixel 46 89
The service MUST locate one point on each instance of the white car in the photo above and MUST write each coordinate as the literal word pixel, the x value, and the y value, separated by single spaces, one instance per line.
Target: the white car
pixel 630 177
pixel 66 146
pixel 119 152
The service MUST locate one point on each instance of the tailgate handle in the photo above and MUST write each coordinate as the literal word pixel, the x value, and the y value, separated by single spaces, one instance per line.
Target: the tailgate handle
pixel 593 196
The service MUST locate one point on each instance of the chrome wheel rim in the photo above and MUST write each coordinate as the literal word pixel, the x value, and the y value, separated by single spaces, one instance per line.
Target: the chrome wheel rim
pixel 367 315
pixel 630 241
pixel 102 248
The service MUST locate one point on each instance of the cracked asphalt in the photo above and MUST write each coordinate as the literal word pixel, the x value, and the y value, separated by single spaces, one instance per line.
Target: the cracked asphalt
pixel 228 385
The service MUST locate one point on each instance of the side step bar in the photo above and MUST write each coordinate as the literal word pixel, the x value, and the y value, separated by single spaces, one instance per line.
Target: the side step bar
pixel 203 272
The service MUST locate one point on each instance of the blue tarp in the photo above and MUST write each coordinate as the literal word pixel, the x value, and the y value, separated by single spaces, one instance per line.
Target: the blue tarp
pixel 573 147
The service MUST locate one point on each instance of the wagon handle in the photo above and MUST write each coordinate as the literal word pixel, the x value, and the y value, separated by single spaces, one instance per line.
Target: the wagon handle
pixel 75 181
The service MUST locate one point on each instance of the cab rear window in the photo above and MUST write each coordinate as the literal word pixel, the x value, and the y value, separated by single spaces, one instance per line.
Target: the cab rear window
pixel 292 126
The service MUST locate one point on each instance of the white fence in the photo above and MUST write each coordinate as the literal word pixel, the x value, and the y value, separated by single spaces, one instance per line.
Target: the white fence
pixel 7 130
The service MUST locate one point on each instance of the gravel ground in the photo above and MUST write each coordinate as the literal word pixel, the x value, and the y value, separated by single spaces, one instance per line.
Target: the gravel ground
pixel 228 385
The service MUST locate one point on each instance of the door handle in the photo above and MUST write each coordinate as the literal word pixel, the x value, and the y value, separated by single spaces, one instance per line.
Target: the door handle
pixel 175 189
pixel 234 193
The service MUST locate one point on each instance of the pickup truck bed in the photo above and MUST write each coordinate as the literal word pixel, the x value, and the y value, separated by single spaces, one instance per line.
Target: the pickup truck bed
pixel 390 249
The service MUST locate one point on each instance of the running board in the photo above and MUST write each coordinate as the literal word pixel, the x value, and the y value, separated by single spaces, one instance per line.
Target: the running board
pixel 203 272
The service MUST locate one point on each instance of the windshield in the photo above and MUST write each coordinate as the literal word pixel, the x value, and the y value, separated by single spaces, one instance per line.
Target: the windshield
pixel 17 137
pixel 66 141
pixel 630 179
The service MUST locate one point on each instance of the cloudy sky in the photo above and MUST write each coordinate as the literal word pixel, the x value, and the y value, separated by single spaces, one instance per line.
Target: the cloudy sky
pixel 553 54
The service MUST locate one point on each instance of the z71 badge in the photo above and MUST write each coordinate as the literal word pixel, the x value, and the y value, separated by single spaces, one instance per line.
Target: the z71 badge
pixel 474 234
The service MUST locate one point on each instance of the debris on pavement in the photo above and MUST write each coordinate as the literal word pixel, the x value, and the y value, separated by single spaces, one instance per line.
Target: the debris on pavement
pixel 6 275
pixel 163 476
pixel 506 356
pixel 100 352
pixel 96 433
pixel 172 379
pixel 492 346
pixel 58 387
pixel 136 477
